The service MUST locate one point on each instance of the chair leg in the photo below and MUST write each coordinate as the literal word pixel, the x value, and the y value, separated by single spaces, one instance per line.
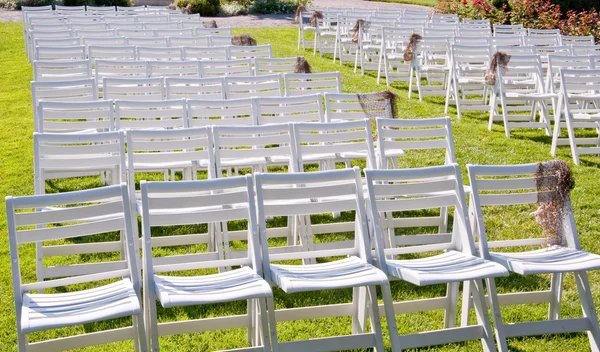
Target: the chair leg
pixel 493 109
pixel 482 316
pixel 375 320
pixel 587 305
pixel 452 305
pixel 410 81
pixel 496 316
pixel 557 131
pixel 556 292
pixel 264 324
pixel 140 337
pixel 359 318
pixel 572 142
pixel 390 317
pixel 272 324
pixel 505 116
pixel 251 329
pixel 152 328
pixel 467 304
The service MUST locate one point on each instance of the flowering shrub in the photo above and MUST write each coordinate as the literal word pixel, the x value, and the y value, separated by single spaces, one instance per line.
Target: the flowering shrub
pixel 474 9
pixel 541 14
pixel 581 23
pixel 277 6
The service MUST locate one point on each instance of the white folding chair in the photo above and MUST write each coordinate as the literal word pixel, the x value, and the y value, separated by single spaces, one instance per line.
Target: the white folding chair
pixel 347 107
pixel 227 207
pixel 585 49
pixel 306 108
pixel 577 40
pixel 542 40
pixel 102 41
pixel 165 29
pixel 61 70
pixel 60 26
pixel 370 39
pixel 111 52
pixel 467 88
pixel 432 59
pixel 33 35
pixel 393 198
pixel 265 66
pixel 580 99
pixel 509 29
pixel 157 42
pixel 520 89
pixel 391 55
pixel 507 40
pixel 297 84
pixel 249 52
pixel 89 26
pixel 514 188
pixel 91 215
pixel 75 117
pixel 74 90
pixel 325 39
pixel 174 69
pixel 136 33
pixel 123 23
pixel 221 68
pixel 345 46
pixel 299 195
pixel 194 88
pixel 204 53
pixel 305 27
pixel 191 41
pixel 63 52
pixel 150 114
pixel 158 54
pixel 237 87
pixel 200 31
pixel 100 9
pixel 133 88
pixel 219 39
pixel 205 112
pixel 118 69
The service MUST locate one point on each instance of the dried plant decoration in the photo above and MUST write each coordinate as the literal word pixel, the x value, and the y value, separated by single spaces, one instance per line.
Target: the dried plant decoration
pixel 554 182
pixel 299 11
pixel 409 51
pixel 498 59
pixel 316 15
pixel 243 40
pixel 210 24
pixel 379 104
pixel 302 66
pixel 357 28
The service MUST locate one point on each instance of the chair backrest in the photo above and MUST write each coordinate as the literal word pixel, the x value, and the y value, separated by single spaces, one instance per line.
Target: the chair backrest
pixel 301 194
pixel 249 52
pixel 559 62
pixel 396 38
pixel 246 146
pixel 433 134
pixel 204 53
pixel 96 33
pixel 194 88
pixel 174 69
pixel 63 41
pixel 542 40
pixel 480 32
pixel 111 52
pixel 220 68
pixel 191 41
pixel 514 186
pixel 577 40
pixel 51 27
pixel 348 107
pixel 163 29
pixel 72 52
pixel 439 32
pixel 548 32
pixel 120 24
pixel 200 31
pixel 400 205
pixel 103 41
pixel 575 82
pixel 118 69
pixel 61 70
pixel 585 49
pixel 155 18
pixel 349 139
pixel 265 66
pixel 90 215
pixel 219 40
pixel 177 17
pixel 157 42
pixel 68 117
pixel 507 40
pixel 307 108
pixel 226 205
pixel 69 155
pixel 155 114
pixel 433 50
pixel 470 60
pixel 521 68
pixel 516 50
pixel 297 84
pixel 237 87
pixel 173 32
pixel 234 112
pixel 89 26
pixel 158 54
pixel 136 33
pixel 133 88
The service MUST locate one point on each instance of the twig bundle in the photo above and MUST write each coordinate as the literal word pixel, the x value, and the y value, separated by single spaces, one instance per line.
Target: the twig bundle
pixel 409 51
pixel 243 40
pixel 302 66
pixel 210 24
pixel 316 15
pixel 499 59
pixel 299 11
pixel 379 104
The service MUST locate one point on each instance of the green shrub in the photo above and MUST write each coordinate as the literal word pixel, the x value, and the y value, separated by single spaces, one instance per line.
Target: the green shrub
pixel 8 4
pixel 20 3
pixel 277 6
pixel 203 7
pixel 111 2
pixel 75 2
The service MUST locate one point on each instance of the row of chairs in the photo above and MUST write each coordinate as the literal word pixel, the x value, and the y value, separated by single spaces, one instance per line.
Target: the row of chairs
pixel 58 9
pixel 372 251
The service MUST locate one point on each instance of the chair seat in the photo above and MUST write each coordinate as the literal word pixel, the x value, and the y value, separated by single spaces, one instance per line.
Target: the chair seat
pixel 344 273
pixel 532 96
pixel 162 166
pixel 234 285
pixel 391 153
pixel 243 162
pixel 56 310
pixel 452 266
pixel 555 259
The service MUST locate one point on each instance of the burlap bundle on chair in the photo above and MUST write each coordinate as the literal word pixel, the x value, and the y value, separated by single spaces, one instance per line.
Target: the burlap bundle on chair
pixel 316 15
pixel 498 59
pixel 356 29
pixel 299 11
pixel 243 40
pixel 379 104
pixel 554 182
pixel 210 24
pixel 302 65
pixel 409 51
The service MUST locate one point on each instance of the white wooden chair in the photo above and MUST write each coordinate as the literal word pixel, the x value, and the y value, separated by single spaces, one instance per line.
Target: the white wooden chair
pixel 150 114
pixel 507 40
pixel 178 17
pixel 118 69
pixel 124 24
pixel 167 29
pixel 158 54
pixel 95 33
pixel 347 107
pixel 62 52
pixel 157 42
pixel 306 108
pixel 200 31
pixel 370 39
pixel 33 35
pixel 190 41
pixel 266 66
pixel 305 27
pixel 299 195
pixel 585 49
pixel 59 26
pixel 110 52
pixel 84 214
pixel 237 87
pixel 297 84
pixel 194 88
pixel 580 100
pixel 136 33
pixel 133 88
pixel 249 52
pixel 230 202
pixel 253 147
pixel 88 26
pixel 174 69
pixel 432 60
pixel 469 64
pixel 97 10
pixel 219 39
pixel 74 90
pixel 326 33
pixel 577 40
pixel 61 70
pixel 521 89
pixel 75 117
pixel 234 112
pixel 399 252
pixel 509 29
pixel 345 48
pixel 391 54
pixel 202 52
pixel 513 185
pixel 475 32
pixel 221 68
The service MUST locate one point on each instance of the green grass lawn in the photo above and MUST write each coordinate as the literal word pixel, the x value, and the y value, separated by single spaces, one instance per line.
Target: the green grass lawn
pixel 431 3
pixel 474 144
